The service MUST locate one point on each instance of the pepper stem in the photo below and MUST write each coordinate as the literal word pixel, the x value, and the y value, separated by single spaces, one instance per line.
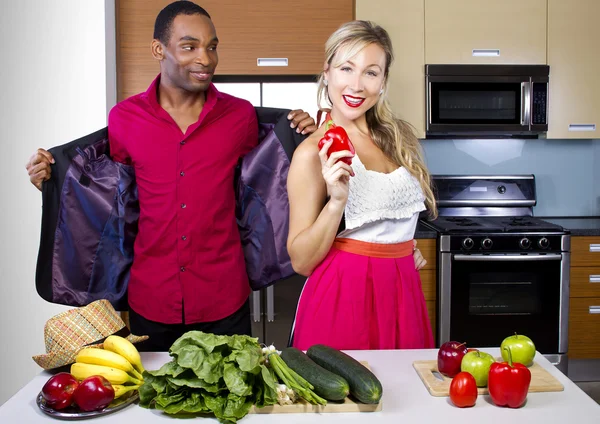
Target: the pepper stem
pixel 510 361
pixel 329 124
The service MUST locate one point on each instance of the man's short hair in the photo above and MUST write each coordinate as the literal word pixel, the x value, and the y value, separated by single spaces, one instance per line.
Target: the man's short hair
pixel 165 18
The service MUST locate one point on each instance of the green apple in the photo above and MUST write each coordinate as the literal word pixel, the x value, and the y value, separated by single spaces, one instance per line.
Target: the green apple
pixel 521 348
pixel 477 364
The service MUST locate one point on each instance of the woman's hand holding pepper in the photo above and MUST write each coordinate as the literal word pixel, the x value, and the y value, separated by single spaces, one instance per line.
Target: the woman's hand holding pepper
pixel 336 173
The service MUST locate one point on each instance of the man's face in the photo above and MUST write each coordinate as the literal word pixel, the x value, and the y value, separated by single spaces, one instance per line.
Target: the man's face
pixel 190 59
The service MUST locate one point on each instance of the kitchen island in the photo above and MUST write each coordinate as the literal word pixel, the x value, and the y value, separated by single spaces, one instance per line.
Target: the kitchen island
pixel 405 400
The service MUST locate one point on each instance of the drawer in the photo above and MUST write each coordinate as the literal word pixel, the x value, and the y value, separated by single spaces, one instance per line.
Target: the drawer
pixel 585 281
pixel 584 327
pixel 428 283
pixel 585 251
pixel 428 249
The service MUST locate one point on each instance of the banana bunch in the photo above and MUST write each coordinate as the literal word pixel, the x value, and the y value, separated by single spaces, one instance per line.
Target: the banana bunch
pixel 119 362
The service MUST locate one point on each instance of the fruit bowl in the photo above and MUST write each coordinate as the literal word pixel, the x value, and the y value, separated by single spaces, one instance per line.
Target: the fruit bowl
pixel 73 413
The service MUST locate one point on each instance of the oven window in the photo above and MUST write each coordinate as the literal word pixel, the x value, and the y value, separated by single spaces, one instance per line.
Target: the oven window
pixel 475 103
pixel 504 294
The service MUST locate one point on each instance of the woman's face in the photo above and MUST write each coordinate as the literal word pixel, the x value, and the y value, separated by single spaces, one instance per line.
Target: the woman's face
pixel 354 86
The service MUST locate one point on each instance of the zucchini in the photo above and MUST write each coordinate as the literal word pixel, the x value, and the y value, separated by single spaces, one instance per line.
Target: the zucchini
pixel 326 384
pixel 364 386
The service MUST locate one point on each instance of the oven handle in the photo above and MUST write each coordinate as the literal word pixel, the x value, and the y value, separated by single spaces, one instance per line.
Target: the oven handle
pixel 502 258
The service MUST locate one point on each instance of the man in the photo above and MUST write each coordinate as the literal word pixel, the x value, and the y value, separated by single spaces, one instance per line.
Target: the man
pixel 184 138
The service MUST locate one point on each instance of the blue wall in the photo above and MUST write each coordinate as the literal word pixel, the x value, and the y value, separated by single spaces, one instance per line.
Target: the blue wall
pixel 567 171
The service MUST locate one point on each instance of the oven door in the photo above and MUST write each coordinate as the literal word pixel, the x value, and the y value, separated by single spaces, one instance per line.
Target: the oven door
pixel 485 298
pixel 459 105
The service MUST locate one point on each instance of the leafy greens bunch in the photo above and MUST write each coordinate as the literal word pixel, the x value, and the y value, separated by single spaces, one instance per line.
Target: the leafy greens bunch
pixel 223 375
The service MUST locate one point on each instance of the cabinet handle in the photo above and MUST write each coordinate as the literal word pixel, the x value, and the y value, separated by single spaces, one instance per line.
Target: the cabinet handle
pixel 594 309
pixel 486 52
pixel 595 248
pixel 582 127
pixel 256 312
pixel 272 61
pixel 270 304
pixel 594 278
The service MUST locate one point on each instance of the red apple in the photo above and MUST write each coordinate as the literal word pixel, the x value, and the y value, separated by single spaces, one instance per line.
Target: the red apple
pixel 58 390
pixel 94 393
pixel 449 358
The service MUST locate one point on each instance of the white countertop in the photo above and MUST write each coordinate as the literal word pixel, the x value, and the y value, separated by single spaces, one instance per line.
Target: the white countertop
pixel 405 400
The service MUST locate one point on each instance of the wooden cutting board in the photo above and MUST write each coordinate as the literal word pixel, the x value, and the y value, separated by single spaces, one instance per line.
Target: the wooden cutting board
pixel 302 406
pixel 541 380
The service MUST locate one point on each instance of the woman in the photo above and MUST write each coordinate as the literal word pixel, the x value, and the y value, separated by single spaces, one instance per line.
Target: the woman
pixel 364 290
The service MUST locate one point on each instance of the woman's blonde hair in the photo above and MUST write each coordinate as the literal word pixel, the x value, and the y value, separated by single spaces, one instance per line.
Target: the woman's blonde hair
pixel 395 137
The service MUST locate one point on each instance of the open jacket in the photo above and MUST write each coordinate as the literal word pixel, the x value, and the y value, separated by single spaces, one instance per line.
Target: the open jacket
pixel 90 213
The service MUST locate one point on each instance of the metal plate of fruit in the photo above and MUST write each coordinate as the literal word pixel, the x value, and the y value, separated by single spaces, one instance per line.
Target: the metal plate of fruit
pixel 73 413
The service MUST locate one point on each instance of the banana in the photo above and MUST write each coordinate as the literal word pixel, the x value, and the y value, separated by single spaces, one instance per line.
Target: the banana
pixel 120 390
pixel 126 349
pixel 115 376
pixel 107 358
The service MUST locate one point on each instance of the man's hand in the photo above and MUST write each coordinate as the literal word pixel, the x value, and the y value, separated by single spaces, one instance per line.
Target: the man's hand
pixel 420 261
pixel 38 167
pixel 302 121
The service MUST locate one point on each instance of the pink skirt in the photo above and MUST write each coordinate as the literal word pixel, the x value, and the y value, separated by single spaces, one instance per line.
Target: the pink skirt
pixel 364 296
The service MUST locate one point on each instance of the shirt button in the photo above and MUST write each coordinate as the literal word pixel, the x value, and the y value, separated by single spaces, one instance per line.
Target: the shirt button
pixel 182 269
pixel 183 238
pixel 182 142
pixel 183 206
pixel 182 173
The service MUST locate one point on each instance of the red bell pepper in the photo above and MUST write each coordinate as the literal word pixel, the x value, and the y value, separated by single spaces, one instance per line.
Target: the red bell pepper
pixel 341 141
pixel 508 383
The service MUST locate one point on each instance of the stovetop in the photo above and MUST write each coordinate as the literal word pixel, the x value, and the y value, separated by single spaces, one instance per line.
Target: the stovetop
pixel 487 224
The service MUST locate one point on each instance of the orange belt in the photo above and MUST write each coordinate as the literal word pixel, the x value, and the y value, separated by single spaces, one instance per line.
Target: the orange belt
pixel 376 250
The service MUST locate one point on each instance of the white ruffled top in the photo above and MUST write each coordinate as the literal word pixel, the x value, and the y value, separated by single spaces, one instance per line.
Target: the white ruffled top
pixel 382 208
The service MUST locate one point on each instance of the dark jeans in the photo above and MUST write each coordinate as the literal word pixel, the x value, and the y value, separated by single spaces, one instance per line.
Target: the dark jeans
pixel 162 336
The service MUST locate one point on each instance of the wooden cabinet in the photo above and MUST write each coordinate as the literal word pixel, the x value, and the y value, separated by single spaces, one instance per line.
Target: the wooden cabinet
pixel 403 20
pixel 428 249
pixel 486 31
pixel 573 34
pixel 584 304
pixel 247 31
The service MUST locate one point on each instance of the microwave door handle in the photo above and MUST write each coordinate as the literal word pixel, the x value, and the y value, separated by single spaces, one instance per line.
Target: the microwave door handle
pixel 523 103
pixel 526 104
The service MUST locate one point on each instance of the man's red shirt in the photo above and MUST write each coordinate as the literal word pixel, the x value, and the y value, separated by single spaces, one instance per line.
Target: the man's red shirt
pixel 188 259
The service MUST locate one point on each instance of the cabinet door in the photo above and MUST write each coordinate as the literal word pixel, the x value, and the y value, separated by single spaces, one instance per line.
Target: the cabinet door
pixel 478 31
pixel 584 327
pixel 403 20
pixel 248 31
pixel 574 97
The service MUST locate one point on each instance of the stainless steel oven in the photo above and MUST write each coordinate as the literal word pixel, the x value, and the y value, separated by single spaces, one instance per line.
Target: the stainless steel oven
pixel 484 298
pixel 500 270
pixel 487 100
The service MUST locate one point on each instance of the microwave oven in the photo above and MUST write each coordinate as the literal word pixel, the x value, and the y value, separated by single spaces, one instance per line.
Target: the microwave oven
pixel 486 100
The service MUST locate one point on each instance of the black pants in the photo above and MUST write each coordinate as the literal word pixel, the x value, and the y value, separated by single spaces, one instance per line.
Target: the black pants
pixel 162 336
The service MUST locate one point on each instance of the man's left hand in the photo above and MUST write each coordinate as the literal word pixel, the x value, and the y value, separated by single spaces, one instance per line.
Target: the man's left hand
pixel 302 121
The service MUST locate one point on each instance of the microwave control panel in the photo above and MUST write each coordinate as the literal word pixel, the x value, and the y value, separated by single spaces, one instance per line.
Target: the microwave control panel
pixel 540 100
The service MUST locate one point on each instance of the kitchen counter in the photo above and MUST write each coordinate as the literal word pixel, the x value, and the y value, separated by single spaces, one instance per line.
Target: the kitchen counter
pixel 405 400
pixel 578 226
pixel 424 232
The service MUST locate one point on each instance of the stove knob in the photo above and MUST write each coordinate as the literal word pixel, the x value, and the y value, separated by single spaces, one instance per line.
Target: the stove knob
pixel 544 243
pixel 525 243
pixel 486 243
pixel 468 243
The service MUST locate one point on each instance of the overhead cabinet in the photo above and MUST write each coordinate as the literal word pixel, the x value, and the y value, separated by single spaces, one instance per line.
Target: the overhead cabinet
pixel 261 37
pixel 403 20
pixel 574 59
pixel 485 32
